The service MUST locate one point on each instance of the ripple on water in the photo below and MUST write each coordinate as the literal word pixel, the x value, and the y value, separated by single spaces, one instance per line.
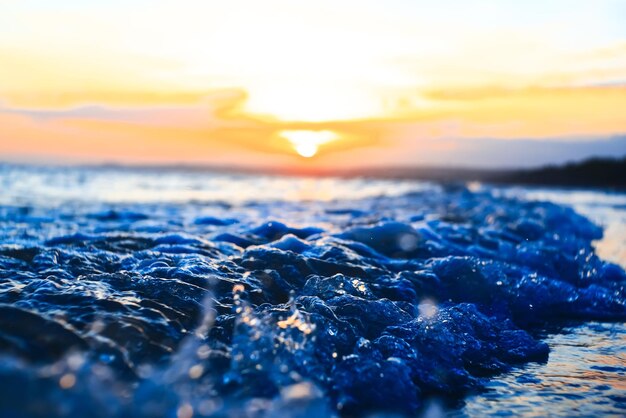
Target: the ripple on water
pixel 202 299
pixel 586 376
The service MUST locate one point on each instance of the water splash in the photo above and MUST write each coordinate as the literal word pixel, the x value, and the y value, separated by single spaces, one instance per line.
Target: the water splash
pixel 241 308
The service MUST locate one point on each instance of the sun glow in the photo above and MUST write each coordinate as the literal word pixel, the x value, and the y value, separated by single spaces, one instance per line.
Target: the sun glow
pixel 313 102
pixel 307 143
pixel 247 82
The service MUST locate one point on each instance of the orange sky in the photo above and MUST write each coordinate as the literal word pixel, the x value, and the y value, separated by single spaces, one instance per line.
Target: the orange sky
pixel 318 84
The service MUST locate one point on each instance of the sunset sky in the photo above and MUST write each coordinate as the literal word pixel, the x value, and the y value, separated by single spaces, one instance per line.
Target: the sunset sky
pixel 315 84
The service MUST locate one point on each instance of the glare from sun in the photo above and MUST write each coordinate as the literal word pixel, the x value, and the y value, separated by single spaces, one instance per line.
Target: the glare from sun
pixel 305 142
pixel 315 102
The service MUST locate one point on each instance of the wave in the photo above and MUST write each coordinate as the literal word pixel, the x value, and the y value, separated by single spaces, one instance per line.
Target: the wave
pixel 285 307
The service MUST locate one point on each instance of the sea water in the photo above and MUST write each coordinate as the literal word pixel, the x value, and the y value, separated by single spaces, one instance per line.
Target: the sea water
pixel 153 292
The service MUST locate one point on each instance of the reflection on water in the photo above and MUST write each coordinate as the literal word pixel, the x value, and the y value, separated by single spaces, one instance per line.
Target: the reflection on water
pixel 27 185
pixel 586 372
pixel 585 376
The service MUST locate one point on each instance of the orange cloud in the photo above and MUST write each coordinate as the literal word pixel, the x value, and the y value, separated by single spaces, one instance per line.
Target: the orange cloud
pixel 213 128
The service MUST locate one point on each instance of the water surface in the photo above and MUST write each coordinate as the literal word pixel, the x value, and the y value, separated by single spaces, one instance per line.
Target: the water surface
pixel 182 293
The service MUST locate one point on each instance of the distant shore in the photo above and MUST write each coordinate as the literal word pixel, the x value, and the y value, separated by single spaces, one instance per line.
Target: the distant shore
pixel 593 173
pixel 605 173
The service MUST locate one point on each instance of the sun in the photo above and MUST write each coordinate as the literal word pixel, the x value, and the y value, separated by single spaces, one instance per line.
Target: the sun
pixel 305 142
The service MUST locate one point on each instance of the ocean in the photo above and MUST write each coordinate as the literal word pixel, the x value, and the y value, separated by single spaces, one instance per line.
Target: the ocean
pixel 151 292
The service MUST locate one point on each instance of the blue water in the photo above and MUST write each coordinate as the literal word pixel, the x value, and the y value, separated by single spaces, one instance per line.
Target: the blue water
pixel 178 293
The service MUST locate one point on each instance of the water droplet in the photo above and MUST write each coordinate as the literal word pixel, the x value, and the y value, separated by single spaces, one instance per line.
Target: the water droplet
pixel 196 371
pixel 67 381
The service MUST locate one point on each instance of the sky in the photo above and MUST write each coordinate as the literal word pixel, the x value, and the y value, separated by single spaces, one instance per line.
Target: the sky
pixel 270 83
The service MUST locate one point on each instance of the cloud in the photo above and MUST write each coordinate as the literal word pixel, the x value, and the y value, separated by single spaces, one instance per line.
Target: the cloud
pixel 195 109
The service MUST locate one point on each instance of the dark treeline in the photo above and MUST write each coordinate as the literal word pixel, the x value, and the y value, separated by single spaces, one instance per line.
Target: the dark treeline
pixel 596 172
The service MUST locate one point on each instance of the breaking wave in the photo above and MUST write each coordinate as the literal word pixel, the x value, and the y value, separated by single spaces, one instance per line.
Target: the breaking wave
pixel 285 307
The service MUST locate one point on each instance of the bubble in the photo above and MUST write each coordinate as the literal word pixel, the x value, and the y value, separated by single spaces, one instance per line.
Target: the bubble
pixel 407 242
pixel 67 381
pixel 203 351
pixel 196 371
pixel 184 411
pixel 427 309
